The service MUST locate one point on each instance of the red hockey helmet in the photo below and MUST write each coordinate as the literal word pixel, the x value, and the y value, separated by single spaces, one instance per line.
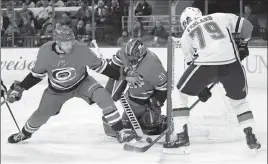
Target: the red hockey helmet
pixel 63 33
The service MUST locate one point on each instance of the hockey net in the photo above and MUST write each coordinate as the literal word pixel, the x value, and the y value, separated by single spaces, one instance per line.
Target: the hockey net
pixel 212 121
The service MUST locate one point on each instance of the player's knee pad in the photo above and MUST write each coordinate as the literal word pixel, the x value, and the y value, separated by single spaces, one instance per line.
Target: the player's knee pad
pixel 239 106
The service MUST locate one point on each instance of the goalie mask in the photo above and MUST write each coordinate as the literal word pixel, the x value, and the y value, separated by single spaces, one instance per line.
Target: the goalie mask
pixel 188 15
pixel 134 51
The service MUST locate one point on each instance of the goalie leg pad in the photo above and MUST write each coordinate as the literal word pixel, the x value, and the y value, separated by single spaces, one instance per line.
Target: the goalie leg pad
pixel 151 122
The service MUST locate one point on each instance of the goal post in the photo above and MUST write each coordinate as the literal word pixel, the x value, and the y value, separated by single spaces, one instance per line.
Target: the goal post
pixel 170 85
pixel 170 77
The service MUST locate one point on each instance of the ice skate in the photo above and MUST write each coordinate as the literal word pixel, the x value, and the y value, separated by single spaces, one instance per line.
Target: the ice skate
pixel 251 139
pixel 180 144
pixel 18 137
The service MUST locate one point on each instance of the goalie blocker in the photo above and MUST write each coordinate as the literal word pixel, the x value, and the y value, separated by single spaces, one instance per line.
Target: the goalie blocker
pixel 145 99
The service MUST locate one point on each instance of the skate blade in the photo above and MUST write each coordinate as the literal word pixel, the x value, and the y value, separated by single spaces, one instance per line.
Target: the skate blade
pixel 177 151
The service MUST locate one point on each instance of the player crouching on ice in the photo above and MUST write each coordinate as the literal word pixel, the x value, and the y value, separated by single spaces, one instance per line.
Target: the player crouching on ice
pixel 145 96
pixel 212 56
pixel 64 61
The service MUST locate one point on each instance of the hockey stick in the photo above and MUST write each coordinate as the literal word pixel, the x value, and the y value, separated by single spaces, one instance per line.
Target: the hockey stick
pixel 133 120
pixel 129 112
pixel 12 115
pixel 132 147
pixel 8 107
pixel 94 42
pixel 3 102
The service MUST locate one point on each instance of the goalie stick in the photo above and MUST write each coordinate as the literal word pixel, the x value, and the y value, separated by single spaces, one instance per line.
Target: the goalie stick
pixel 128 110
pixel 132 147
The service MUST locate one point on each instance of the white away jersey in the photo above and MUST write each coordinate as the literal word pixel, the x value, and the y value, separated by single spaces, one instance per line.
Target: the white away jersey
pixel 208 40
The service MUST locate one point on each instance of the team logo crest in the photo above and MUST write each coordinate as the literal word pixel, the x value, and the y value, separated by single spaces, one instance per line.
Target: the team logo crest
pixel 63 74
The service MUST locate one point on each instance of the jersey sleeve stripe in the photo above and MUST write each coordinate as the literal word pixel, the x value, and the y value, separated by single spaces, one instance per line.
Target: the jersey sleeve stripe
pixel 38 75
pixel 234 47
pixel 238 25
pixel 162 87
pixel 102 67
pixel 117 61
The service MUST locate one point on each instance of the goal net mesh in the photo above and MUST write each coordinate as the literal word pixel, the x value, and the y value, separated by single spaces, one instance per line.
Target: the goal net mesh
pixel 212 121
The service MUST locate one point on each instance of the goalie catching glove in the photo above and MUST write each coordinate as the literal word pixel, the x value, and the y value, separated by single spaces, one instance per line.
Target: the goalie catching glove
pixel 152 122
pixel 15 92
pixel 133 78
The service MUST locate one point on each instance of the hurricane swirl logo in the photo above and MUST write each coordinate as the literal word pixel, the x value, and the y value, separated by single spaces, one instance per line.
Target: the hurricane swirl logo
pixel 63 74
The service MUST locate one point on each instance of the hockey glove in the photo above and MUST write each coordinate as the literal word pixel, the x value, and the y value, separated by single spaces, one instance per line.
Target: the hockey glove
pixel 204 94
pixel 15 92
pixel 125 135
pixel 154 104
pixel 243 50
pixel 2 92
pixel 133 78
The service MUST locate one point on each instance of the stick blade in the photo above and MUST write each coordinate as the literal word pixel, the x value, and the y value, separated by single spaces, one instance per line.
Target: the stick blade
pixel 132 148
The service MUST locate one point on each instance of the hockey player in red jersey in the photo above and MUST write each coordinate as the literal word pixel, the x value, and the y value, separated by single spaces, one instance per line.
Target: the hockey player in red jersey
pixel 147 94
pixel 213 56
pixel 64 61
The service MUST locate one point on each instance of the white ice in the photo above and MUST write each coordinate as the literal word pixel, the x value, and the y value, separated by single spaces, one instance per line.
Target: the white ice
pixel 76 136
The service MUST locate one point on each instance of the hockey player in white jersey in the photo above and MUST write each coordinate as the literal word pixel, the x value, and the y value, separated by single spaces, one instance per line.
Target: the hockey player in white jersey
pixel 213 56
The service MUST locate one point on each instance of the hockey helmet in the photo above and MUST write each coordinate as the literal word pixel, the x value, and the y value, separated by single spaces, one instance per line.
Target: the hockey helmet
pixel 63 33
pixel 189 14
pixel 134 51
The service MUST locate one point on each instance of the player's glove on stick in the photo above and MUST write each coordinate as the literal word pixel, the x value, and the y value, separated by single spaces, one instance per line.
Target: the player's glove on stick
pixel 132 77
pixel 204 94
pixel 243 50
pixel 125 135
pixel 15 92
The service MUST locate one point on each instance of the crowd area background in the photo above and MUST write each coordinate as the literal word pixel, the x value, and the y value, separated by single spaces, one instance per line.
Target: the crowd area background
pixel 30 23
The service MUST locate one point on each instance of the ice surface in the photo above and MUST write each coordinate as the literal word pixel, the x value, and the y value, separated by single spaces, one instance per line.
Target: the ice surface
pixel 76 136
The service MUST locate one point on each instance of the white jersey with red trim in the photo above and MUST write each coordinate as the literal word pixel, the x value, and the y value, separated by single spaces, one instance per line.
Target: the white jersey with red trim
pixel 208 40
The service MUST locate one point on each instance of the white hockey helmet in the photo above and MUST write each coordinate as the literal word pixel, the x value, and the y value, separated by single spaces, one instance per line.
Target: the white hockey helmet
pixel 189 14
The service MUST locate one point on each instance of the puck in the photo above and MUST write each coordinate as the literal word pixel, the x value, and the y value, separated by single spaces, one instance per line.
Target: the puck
pixel 149 140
